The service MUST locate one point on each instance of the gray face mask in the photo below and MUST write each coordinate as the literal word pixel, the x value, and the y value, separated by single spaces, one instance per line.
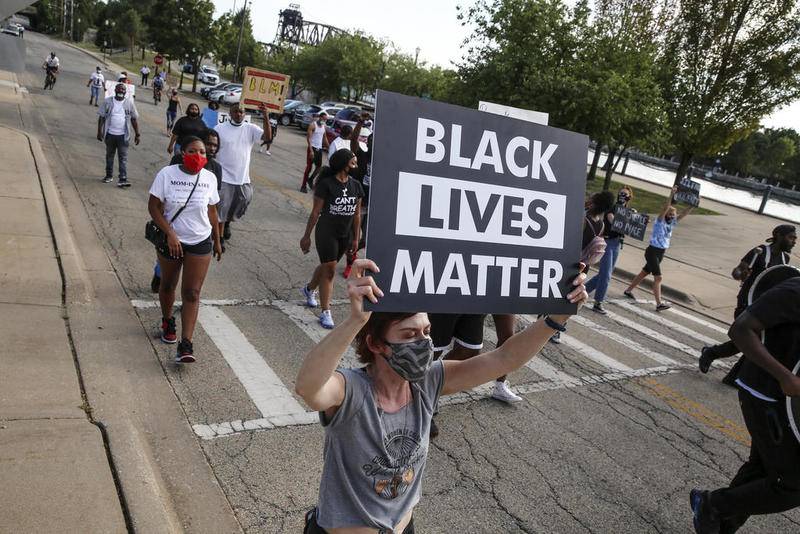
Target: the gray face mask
pixel 411 360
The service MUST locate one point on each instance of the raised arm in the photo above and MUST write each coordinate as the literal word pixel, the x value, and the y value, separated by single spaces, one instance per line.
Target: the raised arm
pixel 686 211
pixel 668 203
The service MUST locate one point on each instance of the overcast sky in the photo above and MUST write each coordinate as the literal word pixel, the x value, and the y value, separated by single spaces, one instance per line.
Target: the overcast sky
pixel 429 25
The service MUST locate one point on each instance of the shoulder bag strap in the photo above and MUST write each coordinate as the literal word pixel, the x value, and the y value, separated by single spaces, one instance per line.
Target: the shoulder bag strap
pixel 187 199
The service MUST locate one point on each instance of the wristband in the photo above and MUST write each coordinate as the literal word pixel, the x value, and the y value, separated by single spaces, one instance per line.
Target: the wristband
pixel 549 321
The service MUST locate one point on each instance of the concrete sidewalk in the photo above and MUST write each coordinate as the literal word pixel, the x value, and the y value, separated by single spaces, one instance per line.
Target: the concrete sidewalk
pixel 55 474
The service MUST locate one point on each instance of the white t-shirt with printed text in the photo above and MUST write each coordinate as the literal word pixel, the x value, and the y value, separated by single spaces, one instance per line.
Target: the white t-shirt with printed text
pixel 172 187
pixel 98 80
pixel 235 143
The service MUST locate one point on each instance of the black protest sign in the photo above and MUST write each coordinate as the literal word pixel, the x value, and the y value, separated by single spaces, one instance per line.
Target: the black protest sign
pixel 628 222
pixel 688 192
pixel 472 212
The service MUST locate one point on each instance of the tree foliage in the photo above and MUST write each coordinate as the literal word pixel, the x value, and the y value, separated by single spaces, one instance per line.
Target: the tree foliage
pixel 227 29
pixel 773 154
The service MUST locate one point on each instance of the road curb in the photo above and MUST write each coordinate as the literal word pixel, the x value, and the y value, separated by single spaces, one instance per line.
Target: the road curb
pixel 105 63
pixel 667 291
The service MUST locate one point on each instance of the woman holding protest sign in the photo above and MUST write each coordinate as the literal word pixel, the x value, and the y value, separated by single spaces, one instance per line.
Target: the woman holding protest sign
pixel 614 241
pixel 654 254
pixel 336 214
pixel 377 418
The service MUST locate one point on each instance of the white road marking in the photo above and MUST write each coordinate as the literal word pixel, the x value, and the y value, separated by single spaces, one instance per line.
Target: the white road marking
pixel 264 387
pixel 680 313
pixel 666 322
pixel 625 341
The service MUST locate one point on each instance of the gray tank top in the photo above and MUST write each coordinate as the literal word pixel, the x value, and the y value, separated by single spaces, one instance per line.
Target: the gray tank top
pixel 374 461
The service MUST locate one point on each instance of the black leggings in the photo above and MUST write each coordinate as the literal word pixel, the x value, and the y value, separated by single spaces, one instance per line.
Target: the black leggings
pixel 312 527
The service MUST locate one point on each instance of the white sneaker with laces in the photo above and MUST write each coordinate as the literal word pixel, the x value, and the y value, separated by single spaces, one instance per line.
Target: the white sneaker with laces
pixel 310 296
pixel 502 392
pixel 326 319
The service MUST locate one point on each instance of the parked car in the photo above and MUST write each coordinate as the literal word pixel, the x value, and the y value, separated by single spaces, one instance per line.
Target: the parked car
pixel 205 91
pixel 188 68
pixel 347 116
pixel 301 110
pixel 231 96
pixel 287 117
pixel 308 118
pixel 10 28
pixel 218 94
pixel 339 105
pixel 208 75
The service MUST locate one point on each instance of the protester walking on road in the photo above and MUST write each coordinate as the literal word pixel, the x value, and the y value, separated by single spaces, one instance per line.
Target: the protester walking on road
pixel 189 125
pixel 342 141
pixel 237 138
pixel 614 241
pixel 336 215
pixel 96 85
pixel 377 418
pixel 363 174
pixel 654 254
pixel 182 203
pixel 145 72
pixel 158 86
pixel 112 127
pixel 316 141
pixel 776 251
pixel 768 333
pixel 173 106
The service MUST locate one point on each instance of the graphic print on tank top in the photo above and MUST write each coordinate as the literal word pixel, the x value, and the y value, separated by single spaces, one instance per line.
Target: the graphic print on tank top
pixel 392 473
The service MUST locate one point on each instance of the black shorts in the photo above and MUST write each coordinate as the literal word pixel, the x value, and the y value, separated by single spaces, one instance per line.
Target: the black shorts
pixel 464 329
pixel 653 256
pixel 203 248
pixel 330 246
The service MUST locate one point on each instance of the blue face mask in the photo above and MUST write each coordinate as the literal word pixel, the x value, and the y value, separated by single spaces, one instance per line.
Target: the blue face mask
pixel 411 360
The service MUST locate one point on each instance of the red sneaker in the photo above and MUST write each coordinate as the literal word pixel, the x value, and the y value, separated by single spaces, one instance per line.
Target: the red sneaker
pixel 349 267
pixel 185 352
pixel 168 334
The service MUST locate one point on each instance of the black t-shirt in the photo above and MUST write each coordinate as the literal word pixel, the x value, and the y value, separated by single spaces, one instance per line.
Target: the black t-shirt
pixel 186 126
pixel 364 172
pixel 211 165
pixel 341 201
pixel 758 259
pixel 779 311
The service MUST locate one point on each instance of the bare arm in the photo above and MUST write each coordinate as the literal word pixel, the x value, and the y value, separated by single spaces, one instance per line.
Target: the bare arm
pixel 354 146
pixel 668 203
pixel 135 124
pixel 356 228
pixel 746 334
pixel 171 146
pixel 213 218
pixel 305 241
pixel 266 136
pixel 308 135
pixel 100 122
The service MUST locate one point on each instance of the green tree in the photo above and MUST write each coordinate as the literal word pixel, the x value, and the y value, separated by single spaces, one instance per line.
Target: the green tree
pixel 131 25
pixel 725 65
pixel 227 29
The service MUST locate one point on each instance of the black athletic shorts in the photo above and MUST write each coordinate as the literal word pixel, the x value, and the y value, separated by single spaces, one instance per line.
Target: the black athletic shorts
pixel 653 256
pixel 203 248
pixel 330 246
pixel 464 329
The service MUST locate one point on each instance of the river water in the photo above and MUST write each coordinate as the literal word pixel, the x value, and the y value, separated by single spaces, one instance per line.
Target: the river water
pixel 710 190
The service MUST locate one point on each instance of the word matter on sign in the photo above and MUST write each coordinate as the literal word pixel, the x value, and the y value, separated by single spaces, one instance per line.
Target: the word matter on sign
pixel 474 212
pixel 628 222
pixel 264 87
pixel 688 192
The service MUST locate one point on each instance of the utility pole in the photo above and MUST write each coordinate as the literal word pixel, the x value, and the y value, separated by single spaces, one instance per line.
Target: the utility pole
pixel 64 19
pixel 72 19
pixel 239 46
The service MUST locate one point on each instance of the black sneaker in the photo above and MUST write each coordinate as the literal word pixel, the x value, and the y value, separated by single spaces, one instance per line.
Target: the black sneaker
pixel 155 283
pixel 226 232
pixel 706 357
pixel 629 294
pixel 434 429
pixel 556 338
pixel 123 182
pixel 663 306
pixel 304 189
pixel 706 520
pixel 168 334
pixel 108 180
pixel 185 352
pixel 598 308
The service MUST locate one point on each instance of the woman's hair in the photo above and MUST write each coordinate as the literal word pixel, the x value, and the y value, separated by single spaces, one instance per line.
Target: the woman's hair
pixel 377 326
pixel 601 202
pixel 339 160
pixel 189 139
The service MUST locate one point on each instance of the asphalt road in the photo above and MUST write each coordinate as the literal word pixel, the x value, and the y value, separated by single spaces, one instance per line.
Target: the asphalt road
pixel 616 426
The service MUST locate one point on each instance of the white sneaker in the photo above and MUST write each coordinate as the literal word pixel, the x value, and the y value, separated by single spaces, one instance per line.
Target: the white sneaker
pixel 268 153
pixel 326 319
pixel 310 296
pixel 502 392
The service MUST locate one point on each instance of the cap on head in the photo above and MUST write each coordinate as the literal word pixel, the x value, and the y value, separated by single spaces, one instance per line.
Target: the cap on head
pixel 322 114
pixel 98 68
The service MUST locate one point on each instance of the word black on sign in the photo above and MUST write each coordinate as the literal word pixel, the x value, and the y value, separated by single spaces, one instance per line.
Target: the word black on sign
pixel 472 212
pixel 688 192
pixel 628 222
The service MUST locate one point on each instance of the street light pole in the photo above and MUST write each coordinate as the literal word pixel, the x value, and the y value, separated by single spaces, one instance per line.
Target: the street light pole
pixel 239 46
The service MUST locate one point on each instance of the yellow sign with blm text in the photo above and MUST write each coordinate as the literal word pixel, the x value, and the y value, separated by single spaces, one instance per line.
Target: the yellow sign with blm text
pixel 264 87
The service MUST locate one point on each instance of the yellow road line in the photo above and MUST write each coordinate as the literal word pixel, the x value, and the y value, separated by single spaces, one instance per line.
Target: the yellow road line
pixel 696 410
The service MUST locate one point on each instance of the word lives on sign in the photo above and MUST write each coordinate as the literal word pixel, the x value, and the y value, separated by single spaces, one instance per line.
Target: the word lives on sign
pixel 473 212
pixel 688 192
pixel 264 87
pixel 629 222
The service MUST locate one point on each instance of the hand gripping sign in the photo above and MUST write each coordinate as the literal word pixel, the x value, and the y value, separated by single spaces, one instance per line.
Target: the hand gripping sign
pixel 264 87
pixel 472 212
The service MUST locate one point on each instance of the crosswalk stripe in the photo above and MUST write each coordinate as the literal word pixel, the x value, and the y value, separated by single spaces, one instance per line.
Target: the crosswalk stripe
pixel 681 313
pixel 625 341
pixel 306 320
pixel 264 387
pixel 666 322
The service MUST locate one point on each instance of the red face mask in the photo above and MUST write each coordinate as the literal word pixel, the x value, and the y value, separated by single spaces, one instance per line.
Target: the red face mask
pixel 194 162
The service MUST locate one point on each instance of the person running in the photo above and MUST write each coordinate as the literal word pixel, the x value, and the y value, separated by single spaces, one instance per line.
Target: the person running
pixel 112 127
pixel 776 251
pixel 654 254
pixel 96 85
pixel 377 418
pixel 343 141
pixel 768 333
pixel 363 174
pixel 237 138
pixel 182 203
pixel 336 215
pixel 211 141
pixel 189 125
pixel 51 66
pixel 614 240
pixel 265 145
pixel 145 72
pixel 317 141
pixel 173 106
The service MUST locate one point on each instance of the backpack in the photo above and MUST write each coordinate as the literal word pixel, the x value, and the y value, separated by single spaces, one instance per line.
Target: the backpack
pixel 593 252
